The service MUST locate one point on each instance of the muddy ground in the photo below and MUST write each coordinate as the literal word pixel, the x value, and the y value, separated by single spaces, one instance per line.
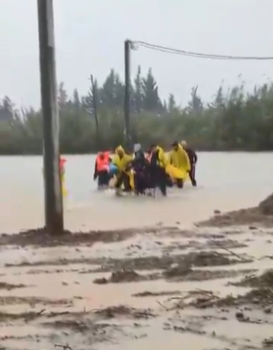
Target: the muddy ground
pixel 162 286
pixel 261 215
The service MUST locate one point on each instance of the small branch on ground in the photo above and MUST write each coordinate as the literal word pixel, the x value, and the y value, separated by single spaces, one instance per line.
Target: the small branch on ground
pixel 64 347
pixel 240 257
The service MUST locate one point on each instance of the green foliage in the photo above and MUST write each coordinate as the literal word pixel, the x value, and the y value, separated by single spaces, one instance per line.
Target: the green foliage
pixel 234 120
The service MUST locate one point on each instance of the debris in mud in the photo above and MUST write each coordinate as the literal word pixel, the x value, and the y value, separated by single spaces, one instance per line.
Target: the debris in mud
pixel 262 214
pixel 32 301
pixel 8 286
pixel 259 297
pixel 234 218
pixel 125 276
pixel 215 244
pixel 119 277
pixel 178 273
pixel 27 316
pixel 40 237
pixel 58 262
pixel 175 267
pixel 181 274
pixel 209 259
pixel 195 259
pixel 122 276
pixel 231 253
pixel 268 343
pixel 64 347
pixel 191 298
pixel 202 299
pixel 83 332
pixel 241 317
pixel 32 315
pixel 122 310
pixel 264 280
pixel 87 329
pixel 156 294
pixel 179 270
pixel 77 325
pixel 67 333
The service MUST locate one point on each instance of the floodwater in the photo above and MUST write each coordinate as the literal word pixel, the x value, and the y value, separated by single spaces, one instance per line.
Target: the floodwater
pixel 226 181
pixel 60 280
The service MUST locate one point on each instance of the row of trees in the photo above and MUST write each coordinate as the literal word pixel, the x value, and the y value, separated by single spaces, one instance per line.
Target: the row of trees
pixel 233 120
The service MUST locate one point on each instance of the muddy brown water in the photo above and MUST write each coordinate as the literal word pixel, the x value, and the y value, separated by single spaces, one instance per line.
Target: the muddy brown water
pixel 21 185
pixel 161 283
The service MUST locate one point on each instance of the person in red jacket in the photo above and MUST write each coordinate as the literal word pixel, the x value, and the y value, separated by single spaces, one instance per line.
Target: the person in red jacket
pixel 101 170
pixel 62 166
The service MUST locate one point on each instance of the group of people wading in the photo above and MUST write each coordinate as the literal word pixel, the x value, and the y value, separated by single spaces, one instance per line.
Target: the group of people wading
pixel 143 172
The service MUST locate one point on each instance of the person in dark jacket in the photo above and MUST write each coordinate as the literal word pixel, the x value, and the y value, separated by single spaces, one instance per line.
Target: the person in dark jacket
pixel 193 160
pixel 140 166
pixel 158 164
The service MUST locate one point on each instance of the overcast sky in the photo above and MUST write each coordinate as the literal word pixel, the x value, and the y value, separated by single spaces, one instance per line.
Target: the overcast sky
pixel 90 34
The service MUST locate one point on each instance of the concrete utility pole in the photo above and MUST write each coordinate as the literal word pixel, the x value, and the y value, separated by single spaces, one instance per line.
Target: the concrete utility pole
pixel 127 97
pixel 53 189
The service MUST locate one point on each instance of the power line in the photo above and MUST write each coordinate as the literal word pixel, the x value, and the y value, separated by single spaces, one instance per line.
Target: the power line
pixel 165 49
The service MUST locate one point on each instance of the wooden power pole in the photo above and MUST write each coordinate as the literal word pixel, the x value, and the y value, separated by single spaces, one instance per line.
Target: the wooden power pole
pixel 53 194
pixel 127 93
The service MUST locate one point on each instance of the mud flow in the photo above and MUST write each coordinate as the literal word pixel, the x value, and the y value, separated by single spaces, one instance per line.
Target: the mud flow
pixel 209 288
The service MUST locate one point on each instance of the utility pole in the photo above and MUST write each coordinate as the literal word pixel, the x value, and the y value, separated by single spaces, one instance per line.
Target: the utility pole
pixel 53 194
pixel 127 97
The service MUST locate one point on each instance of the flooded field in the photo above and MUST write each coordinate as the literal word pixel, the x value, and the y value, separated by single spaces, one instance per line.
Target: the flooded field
pixel 139 273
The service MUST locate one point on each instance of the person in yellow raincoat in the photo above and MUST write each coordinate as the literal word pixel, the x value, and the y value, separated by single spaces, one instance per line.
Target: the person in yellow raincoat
pixel 122 161
pixel 158 164
pixel 180 161
pixel 193 160
pixel 62 163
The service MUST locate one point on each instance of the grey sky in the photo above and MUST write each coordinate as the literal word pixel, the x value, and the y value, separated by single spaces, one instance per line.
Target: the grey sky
pixel 90 34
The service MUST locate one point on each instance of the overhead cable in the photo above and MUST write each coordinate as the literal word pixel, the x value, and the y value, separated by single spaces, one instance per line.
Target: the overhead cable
pixel 165 49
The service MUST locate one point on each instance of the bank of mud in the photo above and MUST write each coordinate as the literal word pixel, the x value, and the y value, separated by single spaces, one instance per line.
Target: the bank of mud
pixel 261 215
pixel 138 288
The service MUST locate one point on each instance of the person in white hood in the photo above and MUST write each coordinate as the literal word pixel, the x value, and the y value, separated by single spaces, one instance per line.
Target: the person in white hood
pixel 137 147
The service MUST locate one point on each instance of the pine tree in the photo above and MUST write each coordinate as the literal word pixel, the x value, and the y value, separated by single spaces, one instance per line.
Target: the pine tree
pixel 195 104
pixel 62 96
pixel 138 91
pixel 151 100
pixel 171 104
pixel 76 99
pixel 6 109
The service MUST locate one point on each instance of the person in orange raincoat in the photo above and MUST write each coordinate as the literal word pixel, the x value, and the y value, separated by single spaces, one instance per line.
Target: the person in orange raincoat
pixel 101 169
